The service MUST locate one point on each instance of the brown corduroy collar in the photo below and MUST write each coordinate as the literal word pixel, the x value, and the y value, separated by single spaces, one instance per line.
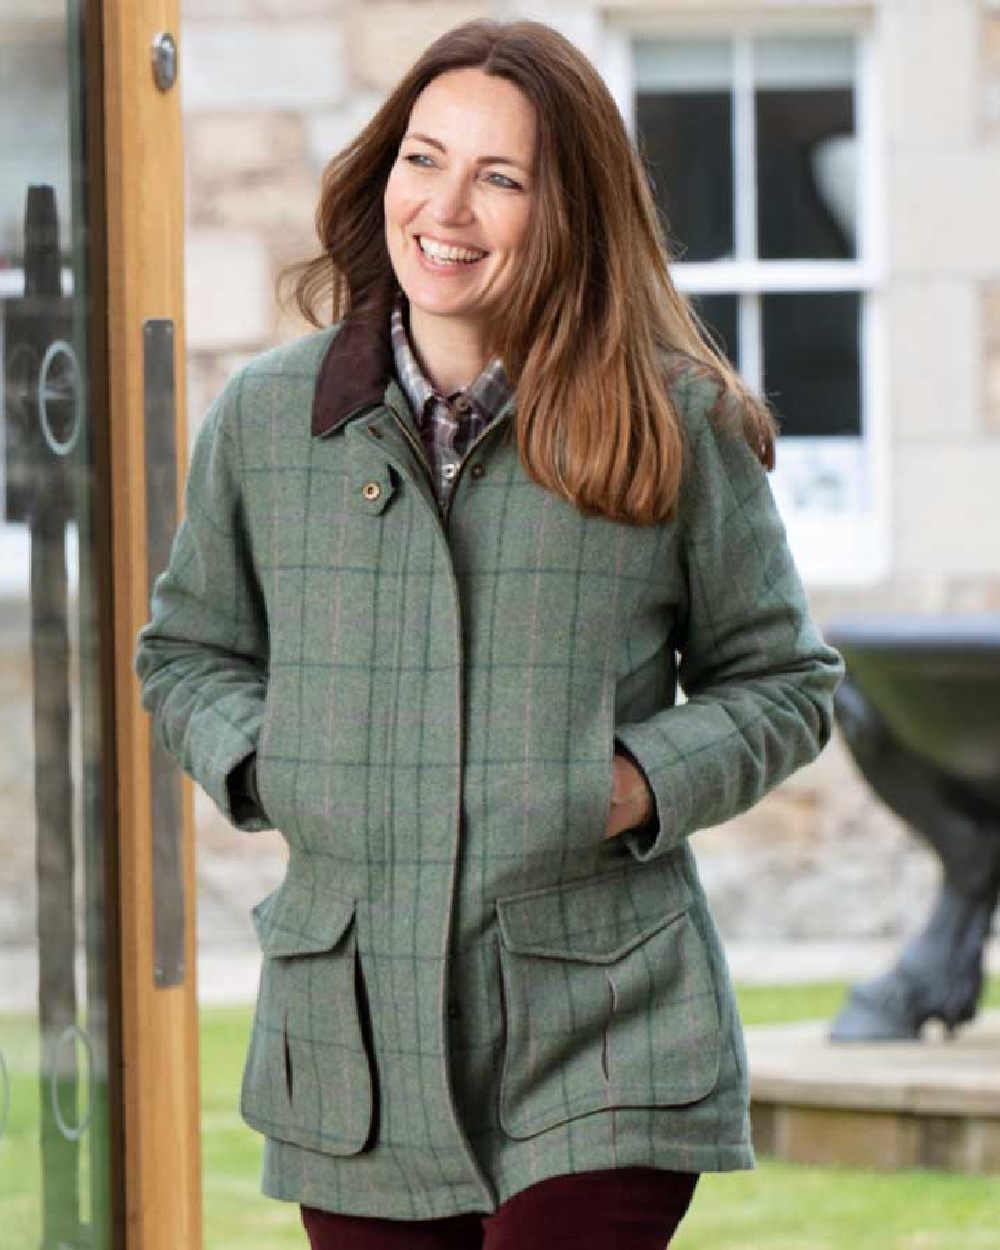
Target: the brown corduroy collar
pixel 356 369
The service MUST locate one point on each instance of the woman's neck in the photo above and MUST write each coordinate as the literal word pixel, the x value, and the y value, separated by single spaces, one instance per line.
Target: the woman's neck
pixel 451 355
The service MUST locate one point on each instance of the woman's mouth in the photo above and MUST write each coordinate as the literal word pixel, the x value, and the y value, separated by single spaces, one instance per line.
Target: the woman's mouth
pixel 441 256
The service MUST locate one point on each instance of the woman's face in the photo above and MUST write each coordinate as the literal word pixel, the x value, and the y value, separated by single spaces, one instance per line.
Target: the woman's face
pixel 464 176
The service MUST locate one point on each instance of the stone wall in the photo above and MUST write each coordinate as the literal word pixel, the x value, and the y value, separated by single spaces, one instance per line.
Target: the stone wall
pixel 989 43
pixel 991 357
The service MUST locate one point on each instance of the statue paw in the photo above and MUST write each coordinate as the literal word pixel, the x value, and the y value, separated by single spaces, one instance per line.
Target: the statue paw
pixel 896 1005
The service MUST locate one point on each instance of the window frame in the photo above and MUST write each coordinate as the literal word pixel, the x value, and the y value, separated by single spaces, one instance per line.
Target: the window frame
pixel 849 547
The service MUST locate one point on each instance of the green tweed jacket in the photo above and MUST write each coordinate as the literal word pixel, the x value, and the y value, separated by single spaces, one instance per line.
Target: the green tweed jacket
pixel 465 987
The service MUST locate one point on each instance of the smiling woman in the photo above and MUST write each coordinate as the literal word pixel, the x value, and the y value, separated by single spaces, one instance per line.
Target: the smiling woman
pixel 455 224
pixel 444 564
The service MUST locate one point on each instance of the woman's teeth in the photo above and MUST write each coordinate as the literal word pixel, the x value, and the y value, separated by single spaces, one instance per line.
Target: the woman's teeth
pixel 442 254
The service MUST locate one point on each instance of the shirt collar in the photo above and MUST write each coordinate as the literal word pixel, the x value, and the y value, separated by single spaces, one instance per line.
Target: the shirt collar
pixel 488 392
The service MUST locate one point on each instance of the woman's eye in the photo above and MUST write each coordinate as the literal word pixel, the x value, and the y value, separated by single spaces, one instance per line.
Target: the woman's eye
pixel 508 184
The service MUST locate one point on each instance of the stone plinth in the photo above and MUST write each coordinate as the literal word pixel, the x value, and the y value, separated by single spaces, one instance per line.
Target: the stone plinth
pixel 885 1105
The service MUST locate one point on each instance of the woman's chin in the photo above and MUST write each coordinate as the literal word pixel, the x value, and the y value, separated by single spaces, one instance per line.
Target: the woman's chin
pixel 440 304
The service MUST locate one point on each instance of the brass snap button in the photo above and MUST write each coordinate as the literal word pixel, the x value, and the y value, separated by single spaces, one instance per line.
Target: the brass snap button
pixel 449 471
pixel 478 469
pixel 463 404
pixel 371 490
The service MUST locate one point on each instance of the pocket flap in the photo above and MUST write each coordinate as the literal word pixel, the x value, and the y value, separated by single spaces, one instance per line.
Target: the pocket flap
pixel 598 920
pixel 299 918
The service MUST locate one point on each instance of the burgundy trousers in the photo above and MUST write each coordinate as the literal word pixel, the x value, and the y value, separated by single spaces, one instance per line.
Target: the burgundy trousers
pixel 633 1208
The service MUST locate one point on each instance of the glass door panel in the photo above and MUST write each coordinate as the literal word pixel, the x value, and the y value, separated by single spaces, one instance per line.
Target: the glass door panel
pixel 54 1017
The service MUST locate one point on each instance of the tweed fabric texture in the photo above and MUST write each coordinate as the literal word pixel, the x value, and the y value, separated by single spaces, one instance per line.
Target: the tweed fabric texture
pixel 465 988
pixel 446 439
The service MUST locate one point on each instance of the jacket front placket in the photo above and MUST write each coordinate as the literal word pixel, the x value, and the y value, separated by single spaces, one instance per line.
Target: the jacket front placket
pixel 413 920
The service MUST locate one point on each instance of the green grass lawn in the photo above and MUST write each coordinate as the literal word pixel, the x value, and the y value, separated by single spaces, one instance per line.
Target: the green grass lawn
pixel 777 1206
pixel 819 1000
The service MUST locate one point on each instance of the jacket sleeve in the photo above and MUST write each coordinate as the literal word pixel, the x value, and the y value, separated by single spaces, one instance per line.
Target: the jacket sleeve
pixel 202 658
pixel 757 676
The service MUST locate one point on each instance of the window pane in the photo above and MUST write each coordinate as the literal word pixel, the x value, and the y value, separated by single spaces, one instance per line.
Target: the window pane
pixel 719 313
pixel 685 140
pixel 811 361
pixel 684 125
pixel 806 148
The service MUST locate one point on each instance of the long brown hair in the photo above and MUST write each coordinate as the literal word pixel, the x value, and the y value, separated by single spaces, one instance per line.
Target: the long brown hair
pixel 593 325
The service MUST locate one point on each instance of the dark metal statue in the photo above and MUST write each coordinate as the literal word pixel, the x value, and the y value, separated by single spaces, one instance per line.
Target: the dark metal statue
pixel 920 711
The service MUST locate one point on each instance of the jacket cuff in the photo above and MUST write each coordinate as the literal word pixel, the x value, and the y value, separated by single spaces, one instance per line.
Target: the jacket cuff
pixel 639 838
pixel 649 841
pixel 246 810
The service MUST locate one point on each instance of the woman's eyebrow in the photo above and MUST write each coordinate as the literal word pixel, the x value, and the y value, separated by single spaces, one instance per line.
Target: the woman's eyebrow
pixel 482 160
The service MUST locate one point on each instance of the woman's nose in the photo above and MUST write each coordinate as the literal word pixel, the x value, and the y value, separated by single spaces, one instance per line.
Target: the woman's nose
pixel 451 202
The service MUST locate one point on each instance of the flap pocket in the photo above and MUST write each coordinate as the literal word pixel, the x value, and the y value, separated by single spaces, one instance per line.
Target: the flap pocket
pixel 598 920
pixel 308 1076
pixel 607 1000
pixel 300 918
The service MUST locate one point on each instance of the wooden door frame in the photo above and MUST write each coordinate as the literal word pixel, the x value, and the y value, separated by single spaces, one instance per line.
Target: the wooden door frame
pixel 160 1155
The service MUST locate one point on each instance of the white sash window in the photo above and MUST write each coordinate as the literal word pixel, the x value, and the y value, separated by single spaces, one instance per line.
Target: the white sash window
pixel 759 142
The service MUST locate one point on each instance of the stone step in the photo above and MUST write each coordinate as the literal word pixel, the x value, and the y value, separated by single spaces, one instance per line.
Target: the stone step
pixel 931 1103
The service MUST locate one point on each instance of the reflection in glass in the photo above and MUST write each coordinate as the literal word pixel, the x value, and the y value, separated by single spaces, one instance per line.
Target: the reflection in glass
pixel 54 1164
pixel 804 120
pixel 822 476
pixel 811 361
